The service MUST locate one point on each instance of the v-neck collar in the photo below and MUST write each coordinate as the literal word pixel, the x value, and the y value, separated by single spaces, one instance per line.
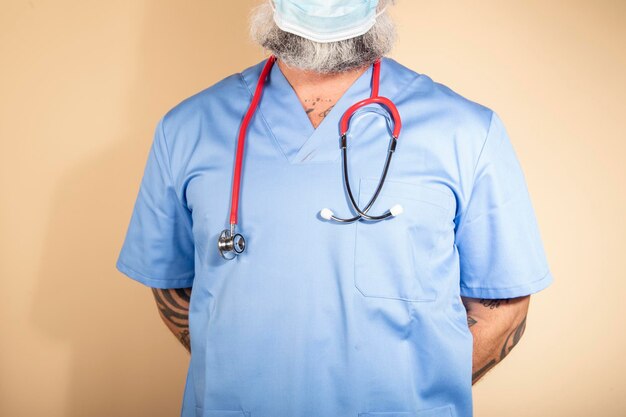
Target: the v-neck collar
pixel 289 123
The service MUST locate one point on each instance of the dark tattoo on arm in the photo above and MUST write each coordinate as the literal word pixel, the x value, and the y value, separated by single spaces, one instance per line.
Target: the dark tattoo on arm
pixel 511 340
pixel 184 294
pixel 173 305
pixel 183 336
pixel 493 303
pixel 482 371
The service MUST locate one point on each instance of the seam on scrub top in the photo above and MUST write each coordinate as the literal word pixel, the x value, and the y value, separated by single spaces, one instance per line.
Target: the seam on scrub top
pixel 184 276
pixel 507 288
pixel 504 204
pixel 260 113
pixel 181 206
pixel 480 154
pixel 168 162
pixel 373 182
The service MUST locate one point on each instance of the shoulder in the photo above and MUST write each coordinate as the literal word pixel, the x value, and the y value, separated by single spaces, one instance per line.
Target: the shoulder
pixel 226 95
pixel 441 97
pixel 206 118
pixel 443 104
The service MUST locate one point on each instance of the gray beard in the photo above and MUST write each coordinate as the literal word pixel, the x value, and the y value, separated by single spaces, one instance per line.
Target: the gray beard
pixel 323 58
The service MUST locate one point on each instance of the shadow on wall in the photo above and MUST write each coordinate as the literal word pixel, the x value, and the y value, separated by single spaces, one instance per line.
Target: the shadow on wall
pixel 123 360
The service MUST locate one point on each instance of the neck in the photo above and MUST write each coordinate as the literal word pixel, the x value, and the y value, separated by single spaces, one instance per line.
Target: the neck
pixel 303 78
pixel 317 92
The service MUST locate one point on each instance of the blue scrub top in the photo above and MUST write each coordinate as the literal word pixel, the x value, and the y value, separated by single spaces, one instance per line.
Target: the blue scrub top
pixel 319 318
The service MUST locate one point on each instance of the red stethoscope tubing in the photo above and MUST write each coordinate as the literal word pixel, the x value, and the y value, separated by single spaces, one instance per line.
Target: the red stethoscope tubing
pixel 344 125
pixel 234 198
pixel 397 124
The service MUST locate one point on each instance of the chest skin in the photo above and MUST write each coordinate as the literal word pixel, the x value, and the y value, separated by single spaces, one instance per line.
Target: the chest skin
pixel 318 93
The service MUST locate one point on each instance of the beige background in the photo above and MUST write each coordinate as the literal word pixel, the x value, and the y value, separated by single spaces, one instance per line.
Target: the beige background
pixel 83 83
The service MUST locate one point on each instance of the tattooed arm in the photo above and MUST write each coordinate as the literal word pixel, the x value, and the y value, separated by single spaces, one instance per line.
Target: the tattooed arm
pixel 173 307
pixel 497 326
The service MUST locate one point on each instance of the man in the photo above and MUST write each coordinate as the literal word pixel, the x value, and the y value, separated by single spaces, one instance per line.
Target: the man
pixel 397 317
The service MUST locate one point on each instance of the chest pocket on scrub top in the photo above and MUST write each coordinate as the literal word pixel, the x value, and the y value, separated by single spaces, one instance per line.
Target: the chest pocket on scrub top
pixel 393 256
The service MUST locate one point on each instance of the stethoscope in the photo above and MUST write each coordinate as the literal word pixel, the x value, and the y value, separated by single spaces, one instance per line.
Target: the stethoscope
pixel 231 244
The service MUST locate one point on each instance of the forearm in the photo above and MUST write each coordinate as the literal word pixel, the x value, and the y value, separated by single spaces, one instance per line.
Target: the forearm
pixel 173 305
pixel 497 326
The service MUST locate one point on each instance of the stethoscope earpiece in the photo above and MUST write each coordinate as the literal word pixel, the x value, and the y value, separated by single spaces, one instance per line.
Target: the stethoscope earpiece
pixel 327 214
pixel 396 210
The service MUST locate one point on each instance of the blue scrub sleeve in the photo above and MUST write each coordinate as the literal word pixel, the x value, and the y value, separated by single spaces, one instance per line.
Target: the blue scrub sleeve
pixel 500 249
pixel 158 250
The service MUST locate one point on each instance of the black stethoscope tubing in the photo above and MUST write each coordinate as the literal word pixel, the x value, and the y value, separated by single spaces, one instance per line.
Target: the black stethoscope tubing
pixel 362 213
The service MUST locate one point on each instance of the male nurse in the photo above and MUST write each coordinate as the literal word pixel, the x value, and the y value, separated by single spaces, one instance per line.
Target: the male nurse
pixel 390 318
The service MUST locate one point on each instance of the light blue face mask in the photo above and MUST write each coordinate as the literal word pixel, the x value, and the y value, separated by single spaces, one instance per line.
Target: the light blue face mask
pixel 325 20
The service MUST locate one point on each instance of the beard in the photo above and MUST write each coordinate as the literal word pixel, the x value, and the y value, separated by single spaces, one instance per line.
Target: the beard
pixel 324 58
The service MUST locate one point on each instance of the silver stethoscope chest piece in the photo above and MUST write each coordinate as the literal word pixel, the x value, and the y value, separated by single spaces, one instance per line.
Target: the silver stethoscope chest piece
pixel 230 244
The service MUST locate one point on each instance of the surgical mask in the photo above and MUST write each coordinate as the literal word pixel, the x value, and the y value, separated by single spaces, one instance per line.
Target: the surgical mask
pixel 325 20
